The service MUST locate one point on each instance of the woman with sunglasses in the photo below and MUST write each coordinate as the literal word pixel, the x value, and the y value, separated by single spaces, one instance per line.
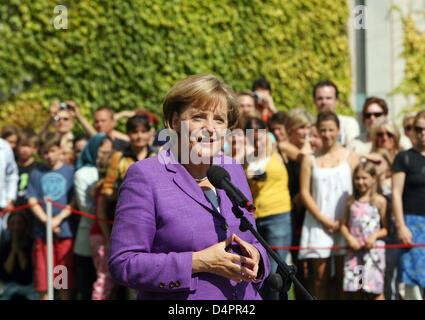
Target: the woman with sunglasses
pixel 408 205
pixel 409 131
pixel 385 134
pixel 374 109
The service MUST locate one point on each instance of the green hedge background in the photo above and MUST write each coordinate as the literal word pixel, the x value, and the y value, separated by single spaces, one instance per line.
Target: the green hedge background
pixel 127 54
pixel 413 83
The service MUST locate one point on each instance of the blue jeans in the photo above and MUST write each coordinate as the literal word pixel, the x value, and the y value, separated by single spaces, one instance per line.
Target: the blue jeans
pixel 277 231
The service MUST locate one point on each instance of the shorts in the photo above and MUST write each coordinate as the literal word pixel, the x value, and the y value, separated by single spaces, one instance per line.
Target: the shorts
pixel 63 259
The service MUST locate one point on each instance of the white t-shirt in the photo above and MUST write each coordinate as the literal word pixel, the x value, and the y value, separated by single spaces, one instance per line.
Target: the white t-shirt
pixel 350 129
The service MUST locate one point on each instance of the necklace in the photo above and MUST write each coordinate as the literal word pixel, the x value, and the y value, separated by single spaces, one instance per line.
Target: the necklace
pixel 201 179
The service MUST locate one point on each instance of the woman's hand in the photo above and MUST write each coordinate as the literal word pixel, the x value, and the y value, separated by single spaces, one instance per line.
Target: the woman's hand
pixel 57 230
pixel 306 148
pixel 330 225
pixel 217 260
pixel 353 243
pixel 404 235
pixel 249 251
pixel 370 241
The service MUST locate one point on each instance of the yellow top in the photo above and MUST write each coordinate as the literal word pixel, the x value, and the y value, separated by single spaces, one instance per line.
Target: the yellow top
pixel 271 196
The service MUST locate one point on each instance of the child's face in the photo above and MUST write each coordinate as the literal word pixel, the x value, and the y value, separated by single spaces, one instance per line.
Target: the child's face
pixel 139 138
pixel 52 155
pixel 26 150
pixel 363 181
pixel 12 140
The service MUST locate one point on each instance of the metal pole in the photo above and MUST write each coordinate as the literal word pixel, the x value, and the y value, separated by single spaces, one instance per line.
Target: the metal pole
pixel 49 241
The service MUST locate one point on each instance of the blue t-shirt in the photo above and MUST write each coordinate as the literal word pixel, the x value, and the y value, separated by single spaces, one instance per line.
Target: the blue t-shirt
pixel 58 185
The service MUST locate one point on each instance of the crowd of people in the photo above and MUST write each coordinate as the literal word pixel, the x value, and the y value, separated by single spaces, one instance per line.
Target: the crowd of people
pixel 327 193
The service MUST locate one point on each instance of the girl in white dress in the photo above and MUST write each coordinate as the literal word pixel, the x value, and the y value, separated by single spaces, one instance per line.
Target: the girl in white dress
pixel 326 183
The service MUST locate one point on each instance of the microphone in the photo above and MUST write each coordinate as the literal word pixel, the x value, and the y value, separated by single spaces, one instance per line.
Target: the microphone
pixel 220 179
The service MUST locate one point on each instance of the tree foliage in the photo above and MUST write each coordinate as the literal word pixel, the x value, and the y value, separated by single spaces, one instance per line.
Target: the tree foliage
pixel 127 54
pixel 413 83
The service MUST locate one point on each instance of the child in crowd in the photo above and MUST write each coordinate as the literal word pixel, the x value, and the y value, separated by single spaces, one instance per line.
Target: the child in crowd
pixel 104 286
pixel 25 154
pixel 381 158
pixel 11 135
pixel 138 129
pixel 365 222
pixel 85 178
pixel 15 260
pixel 54 180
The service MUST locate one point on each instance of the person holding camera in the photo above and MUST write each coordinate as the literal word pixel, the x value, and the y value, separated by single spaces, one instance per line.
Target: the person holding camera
pixel 263 100
pixel 62 115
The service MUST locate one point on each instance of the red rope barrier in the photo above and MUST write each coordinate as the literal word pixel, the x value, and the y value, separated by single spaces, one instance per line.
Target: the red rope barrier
pixel 94 217
pixel 388 246
pixel 25 206
pixel 81 213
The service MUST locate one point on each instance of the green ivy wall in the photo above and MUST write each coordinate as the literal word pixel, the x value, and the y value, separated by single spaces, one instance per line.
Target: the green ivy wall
pixel 128 53
pixel 413 83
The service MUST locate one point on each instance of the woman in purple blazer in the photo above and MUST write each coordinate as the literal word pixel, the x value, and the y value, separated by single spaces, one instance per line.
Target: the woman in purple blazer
pixel 171 225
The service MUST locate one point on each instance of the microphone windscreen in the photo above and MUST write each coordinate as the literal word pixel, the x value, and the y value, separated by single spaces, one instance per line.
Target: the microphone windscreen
pixel 216 174
pixel 275 282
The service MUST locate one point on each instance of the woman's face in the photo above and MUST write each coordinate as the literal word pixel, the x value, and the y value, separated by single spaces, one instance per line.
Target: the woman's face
pixel 237 141
pixel 260 140
pixel 201 131
pixel 279 132
pixel 329 132
pixel 298 135
pixel 371 115
pixel 139 137
pixel 420 133
pixel 79 146
pixel 104 152
pixel 315 141
pixel 385 139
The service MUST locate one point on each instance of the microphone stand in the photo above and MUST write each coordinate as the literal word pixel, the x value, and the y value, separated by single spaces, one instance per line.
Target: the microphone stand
pixel 285 275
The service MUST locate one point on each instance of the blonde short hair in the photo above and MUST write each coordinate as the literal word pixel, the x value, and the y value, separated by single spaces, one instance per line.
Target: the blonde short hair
pixel 204 90
pixel 391 127
pixel 298 117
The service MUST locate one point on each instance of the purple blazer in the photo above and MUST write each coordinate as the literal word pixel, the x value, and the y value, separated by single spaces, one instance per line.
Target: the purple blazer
pixel 161 218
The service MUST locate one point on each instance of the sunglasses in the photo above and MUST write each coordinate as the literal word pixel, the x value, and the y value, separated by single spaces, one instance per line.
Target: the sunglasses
pixel 369 115
pixel 57 119
pixel 408 127
pixel 375 162
pixel 419 129
pixel 381 134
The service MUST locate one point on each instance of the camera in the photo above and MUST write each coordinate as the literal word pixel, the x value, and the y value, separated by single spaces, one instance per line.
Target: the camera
pixel 63 106
pixel 257 96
